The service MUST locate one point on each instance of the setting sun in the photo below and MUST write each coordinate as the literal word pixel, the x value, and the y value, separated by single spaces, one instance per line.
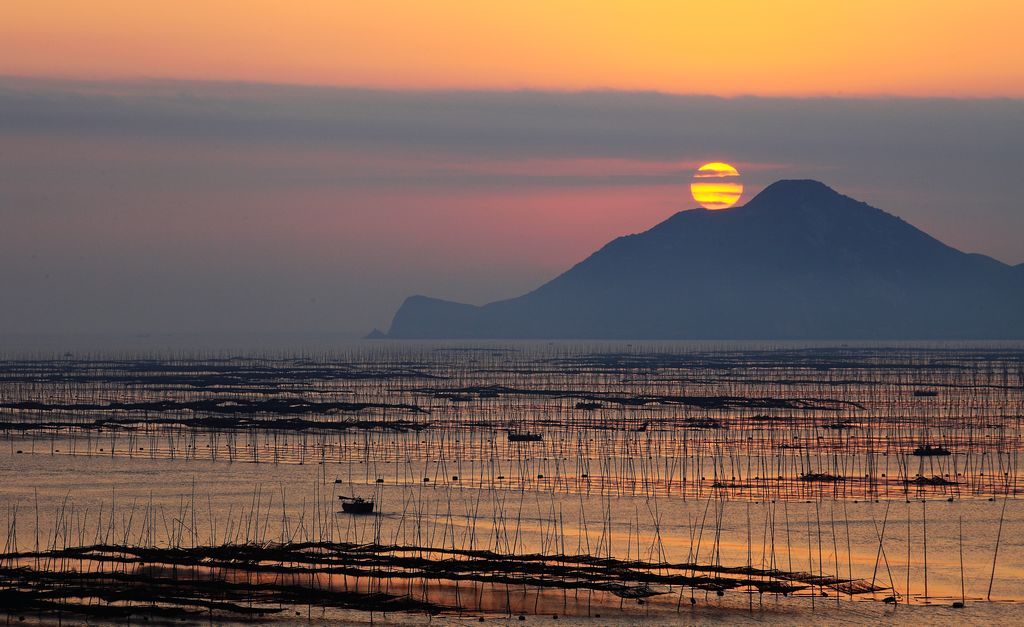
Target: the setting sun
pixel 716 185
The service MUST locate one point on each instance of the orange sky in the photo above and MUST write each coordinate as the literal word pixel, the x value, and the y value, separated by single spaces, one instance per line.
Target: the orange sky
pixel 779 47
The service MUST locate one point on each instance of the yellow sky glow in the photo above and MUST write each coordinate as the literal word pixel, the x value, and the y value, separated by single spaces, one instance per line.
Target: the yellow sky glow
pixel 786 47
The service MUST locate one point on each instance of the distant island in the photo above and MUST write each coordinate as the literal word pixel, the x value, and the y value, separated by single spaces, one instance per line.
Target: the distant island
pixel 799 261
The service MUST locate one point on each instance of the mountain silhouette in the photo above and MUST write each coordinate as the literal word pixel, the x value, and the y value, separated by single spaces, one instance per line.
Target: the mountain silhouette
pixel 799 261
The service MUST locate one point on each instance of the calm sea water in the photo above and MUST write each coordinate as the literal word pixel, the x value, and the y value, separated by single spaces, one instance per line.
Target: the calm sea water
pixel 793 457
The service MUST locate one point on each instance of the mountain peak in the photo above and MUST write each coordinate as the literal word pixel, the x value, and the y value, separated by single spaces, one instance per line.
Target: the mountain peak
pixel 799 261
pixel 798 192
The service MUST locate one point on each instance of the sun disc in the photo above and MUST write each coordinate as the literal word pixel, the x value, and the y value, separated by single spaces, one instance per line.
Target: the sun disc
pixel 716 185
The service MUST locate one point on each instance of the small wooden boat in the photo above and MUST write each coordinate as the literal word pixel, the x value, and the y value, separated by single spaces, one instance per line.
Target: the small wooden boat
pixel 356 505
pixel 925 393
pixel 524 437
pixel 928 450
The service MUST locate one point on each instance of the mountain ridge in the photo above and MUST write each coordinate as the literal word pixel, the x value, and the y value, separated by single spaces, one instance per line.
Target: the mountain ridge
pixel 799 261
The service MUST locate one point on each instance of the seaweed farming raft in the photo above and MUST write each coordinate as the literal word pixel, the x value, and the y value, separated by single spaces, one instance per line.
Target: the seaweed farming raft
pixel 495 481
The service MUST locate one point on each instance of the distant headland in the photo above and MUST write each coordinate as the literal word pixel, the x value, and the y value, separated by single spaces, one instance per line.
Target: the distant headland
pixel 799 261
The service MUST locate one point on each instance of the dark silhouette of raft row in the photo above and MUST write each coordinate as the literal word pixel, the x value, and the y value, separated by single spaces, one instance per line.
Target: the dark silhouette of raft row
pixel 200 373
pixel 593 400
pixel 813 358
pixel 622 577
pixel 278 406
pixel 221 423
pixel 113 595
